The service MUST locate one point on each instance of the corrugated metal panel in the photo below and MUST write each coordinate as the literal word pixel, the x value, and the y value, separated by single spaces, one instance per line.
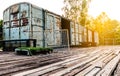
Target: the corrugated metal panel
pixel 19 21
pixel 38 35
pixel 37 21
pixel 89 36
pixel 58 38
pixel 96 37
pixel 14 16
pixel 80 37
pixel 49 17
pixel 6 33
pixel 57 23
pixel 49 25
pixel 15 23
pixel 14 9
pixel 6 15
pixel 85 35
pixel 25 22
pixel 24 8
pixel 81 29
pixel 76 28
pixel 6 24
pixel 49 37
pixel 14 33
pixel 72 38
pixel 37 13
pixel 77 39
pixel 24 32
pixel 72 26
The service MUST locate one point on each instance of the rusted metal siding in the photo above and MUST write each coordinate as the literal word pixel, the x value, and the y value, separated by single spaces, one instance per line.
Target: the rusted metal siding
pixel 85 35
pixel 57 23
pixel 89 36
pixel 16 21
pixel 77 37
pixel 24 10
pixel 38 35
pixel 24 32
pixel 6 34
pixel 6 15
pixel 37 25
pixel 14 33
pixel 14 16
pixel 72 38
pixel 37 13
pixel 58 32
pixel 81 29
pixel 72 27
pixel 49 38
pixel 80 38
pixel 96 38
pixel 52 29
pixel 76 28
pixel 6 25
pixel 72 33
pixel 37 21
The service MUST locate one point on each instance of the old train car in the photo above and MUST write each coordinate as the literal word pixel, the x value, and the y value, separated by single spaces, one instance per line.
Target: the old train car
pixel 28 25
pixel 79 35
pixel 24 25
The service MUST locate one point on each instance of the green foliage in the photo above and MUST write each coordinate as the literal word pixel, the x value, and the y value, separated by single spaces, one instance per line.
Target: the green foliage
pixel 36 50
pixel 76 10
pixel 1 23
pixel 107 28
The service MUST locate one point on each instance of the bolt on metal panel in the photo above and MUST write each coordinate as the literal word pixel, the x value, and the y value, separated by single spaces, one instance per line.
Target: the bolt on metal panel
pixel 6 33
pixel 37 13
pixel 73 38
pixel 81 28
pixel 76 28
pixel 58 37
pixel 14 33
pixel 14 17
pixel 85 35
pixel 15 24
pixel 37 21
pixel 57 23
pixel 24 32
pixel 89 36
pixel 72 27
pixel 24 10
pixel 6 15
pixel 80 37
pixel 38 35
pixel 77 40
pixel 49 37
pixel 96 37
pixel 6 24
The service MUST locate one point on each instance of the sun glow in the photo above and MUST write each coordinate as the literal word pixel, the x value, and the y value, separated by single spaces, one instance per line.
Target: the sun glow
pixel 110 7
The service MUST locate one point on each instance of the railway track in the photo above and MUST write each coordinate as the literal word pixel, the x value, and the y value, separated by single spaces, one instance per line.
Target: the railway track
pixel 101 62
pixel 11 63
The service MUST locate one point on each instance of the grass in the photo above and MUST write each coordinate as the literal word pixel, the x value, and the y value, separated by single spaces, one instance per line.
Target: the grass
pixel 36 50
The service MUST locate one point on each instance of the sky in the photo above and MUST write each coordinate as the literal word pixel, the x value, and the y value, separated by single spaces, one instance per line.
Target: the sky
pixel 51 5
pixel 111 7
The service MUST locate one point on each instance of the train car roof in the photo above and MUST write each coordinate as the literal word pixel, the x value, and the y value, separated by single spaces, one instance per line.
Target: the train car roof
pixel 33 6
pixel 16 4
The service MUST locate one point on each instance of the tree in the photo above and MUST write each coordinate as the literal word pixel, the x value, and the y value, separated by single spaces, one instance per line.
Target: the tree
pixel 107 28
pixel 76 10
pixel 1 22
